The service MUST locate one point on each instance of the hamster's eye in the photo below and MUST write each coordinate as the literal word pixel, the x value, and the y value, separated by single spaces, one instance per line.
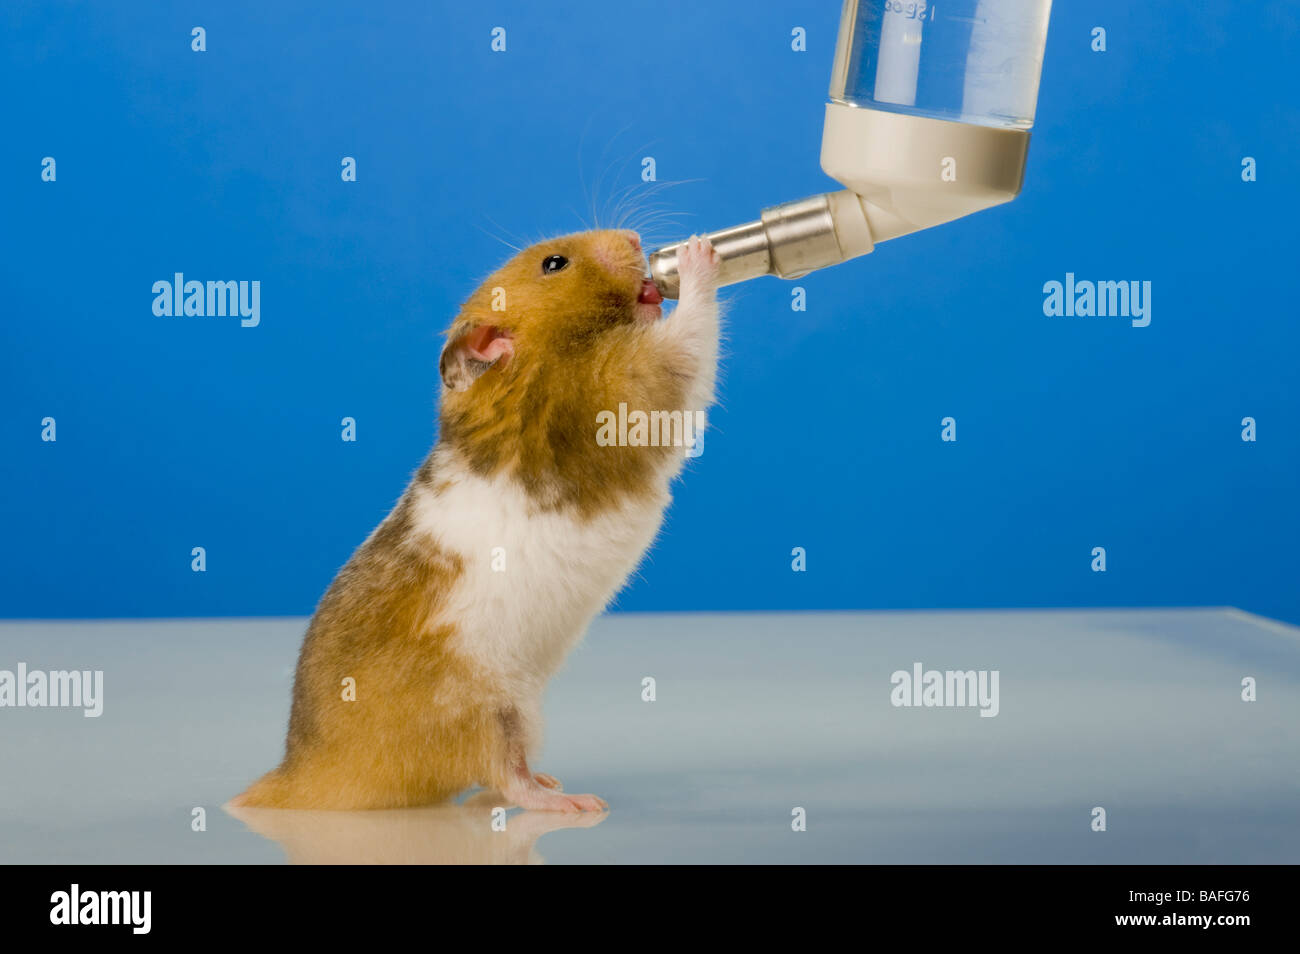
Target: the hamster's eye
pixel 553 263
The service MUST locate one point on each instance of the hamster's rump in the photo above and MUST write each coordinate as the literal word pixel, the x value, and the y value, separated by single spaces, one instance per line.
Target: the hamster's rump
pixel 385 714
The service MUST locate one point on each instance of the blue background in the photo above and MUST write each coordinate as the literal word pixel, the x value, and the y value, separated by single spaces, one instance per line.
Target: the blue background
pixel 1072 433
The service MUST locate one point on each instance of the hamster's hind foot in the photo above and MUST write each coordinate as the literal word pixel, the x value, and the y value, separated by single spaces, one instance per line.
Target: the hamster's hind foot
pixel 543 793
pixel 546 800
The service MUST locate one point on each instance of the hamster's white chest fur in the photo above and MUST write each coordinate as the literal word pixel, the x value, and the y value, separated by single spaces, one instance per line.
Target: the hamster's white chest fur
pixel 532 579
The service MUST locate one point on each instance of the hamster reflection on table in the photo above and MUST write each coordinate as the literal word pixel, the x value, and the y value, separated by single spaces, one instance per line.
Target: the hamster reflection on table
pixel 447 834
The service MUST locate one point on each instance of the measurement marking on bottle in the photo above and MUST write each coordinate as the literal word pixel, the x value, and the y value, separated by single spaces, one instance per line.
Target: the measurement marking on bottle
pixel 913 11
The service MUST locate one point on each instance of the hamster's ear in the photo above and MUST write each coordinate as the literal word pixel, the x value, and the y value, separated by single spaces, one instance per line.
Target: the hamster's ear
pixel 471 352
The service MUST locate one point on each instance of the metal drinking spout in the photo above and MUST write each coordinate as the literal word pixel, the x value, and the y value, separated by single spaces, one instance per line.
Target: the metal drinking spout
pixel 788 241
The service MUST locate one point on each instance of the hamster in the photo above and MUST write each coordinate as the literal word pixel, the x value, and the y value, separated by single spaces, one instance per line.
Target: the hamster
pixel 519 527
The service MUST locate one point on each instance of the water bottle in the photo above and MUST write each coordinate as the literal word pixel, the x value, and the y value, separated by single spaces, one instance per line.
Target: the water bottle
pixel 968 61
pixel 931 102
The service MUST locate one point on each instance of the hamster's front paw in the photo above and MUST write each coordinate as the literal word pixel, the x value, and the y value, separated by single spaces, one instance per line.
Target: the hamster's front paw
pixel 698 265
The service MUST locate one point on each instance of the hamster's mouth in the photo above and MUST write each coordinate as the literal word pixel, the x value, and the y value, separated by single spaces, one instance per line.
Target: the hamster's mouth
pixel 648 300
pixel 650 294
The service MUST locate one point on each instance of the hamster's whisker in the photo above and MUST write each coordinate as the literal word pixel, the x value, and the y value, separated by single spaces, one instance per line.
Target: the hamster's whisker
pixel 651 222
pixel 646 210
pixel 621 196
pixel 493 235
pixel 650 214
pixel 618 168
pixel 592 196
pixel 582 140
pixel 597 214
pixel 585 224
pixel 520 239
pixel 647 190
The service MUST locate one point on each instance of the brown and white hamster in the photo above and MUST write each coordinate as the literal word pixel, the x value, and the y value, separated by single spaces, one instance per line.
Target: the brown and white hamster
pixel 516 531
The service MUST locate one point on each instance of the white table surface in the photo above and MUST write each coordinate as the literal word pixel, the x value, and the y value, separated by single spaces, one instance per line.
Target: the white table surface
pixel 1135 711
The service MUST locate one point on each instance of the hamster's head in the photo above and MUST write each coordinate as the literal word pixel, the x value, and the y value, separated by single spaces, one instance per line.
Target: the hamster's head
pixel 559 335
pixel 551 304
